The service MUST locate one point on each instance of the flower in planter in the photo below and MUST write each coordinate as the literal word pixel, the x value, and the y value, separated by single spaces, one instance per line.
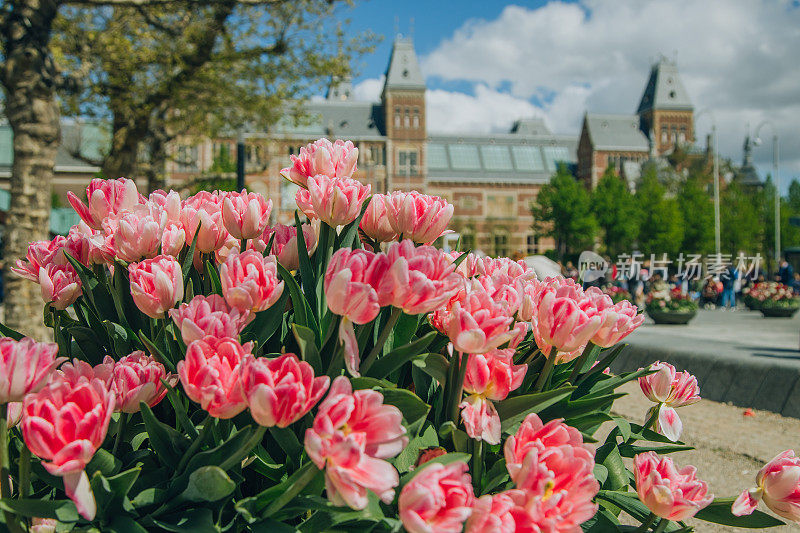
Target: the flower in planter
pixel 134 379
pixel 156 284
pixel 350 293
pixel 105 197
pixel 438 499
pixel 66 448
pixel 352 435
pixel 668 492
pixel 416 216
pixel 333 159
pixel 489 378
pixel 250 281
pixel 280 391
pixel 335 201
pixel 245 215
pixel 375 222
pixel 669 389
pixel 284 243
pixel 60 285
pixel 208 315
pixel 211 375
pixel 25 367
pixel 778 484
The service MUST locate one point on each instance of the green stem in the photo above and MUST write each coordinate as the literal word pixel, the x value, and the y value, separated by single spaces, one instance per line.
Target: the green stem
pixel 387 329
pixel 24 472
pixel 549 364
pixel 123 422
pixel 207 423
pixel 576 370
pixel 647 523
pixel 662 526
pixel 5 486
pixel 305 474
pixel 477 466
pixel 458 387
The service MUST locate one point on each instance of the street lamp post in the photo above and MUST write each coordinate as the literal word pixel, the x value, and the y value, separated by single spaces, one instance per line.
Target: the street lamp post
pixel 777 177
pixel 240 157
pixel 717 238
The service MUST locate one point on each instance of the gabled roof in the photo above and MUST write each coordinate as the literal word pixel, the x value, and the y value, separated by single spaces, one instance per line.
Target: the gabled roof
pixel 531 126
pixel 343 119
pixel 664 89
pixel 616 133
pixel 403 71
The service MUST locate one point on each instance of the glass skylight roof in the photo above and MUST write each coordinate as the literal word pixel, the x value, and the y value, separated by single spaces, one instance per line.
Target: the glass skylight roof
pixel 437 157
pixel 496 157
pixel 527 158
pixel 554 155
pixel 464 156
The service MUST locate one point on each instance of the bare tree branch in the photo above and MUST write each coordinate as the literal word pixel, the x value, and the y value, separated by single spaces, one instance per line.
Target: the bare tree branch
pixel 153 21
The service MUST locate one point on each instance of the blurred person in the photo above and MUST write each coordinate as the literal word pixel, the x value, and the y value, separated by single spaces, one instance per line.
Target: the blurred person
pixel 728 280
pixel 796 283
pixel 709 294
pixel 786 273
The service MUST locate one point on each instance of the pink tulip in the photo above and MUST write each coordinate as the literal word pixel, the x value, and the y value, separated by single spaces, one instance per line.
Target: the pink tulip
pixel 201 215
pixel 245 214
pixel 167 202
pixel 211 375
pixel 502 288
pixel 230 248
pixel 64 424
pixel 173 239
pixel 208 315
pixel 419 217
pixel 77 371
pixel 250 281
pixel 14 414
pixel 564 318
pixel 350 292
pixel 493 375
pixel 352 435
pixel 133 235
pixel 492 514
pixel 419 279
pixel 25 367
pixel 106 197
pixel 668 492
pixel 618 320
pixel 280 391
pixel 43 525
pixel 480 418
pixel 136 378
pixel 560 512
pixel 778 484
pixel 438 499
pixel 284 244
pixel 156 284
pixel 335 201
pixel 86 245
pixel 669 389
pixel 375 222
pixel 40 255
pixel 477 324
pixel 60 285
pixel 468 267
pixel 335 160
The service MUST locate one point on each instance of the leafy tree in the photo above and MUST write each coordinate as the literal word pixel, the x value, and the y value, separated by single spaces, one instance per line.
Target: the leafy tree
pixel 741 219
pixel 615 211
pixel 562 210
pixel 161 72
pixel 660 218
pixel 697 210
pixel 223 163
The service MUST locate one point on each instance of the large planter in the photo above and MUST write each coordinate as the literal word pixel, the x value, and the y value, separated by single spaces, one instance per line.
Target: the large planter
pixel 752 304
pixel 778 312
pixel 671 317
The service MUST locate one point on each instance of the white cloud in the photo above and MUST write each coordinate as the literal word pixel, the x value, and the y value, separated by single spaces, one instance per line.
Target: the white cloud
pixel 368 90
pixel 736 57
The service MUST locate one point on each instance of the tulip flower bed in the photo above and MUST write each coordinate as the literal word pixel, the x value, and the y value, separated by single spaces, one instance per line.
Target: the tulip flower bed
pixel 214 373
pixel 772 299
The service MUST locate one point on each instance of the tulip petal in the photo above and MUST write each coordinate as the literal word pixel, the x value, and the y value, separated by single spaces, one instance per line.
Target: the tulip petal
pixel 669 423
pixel 746 503
pixel 76 485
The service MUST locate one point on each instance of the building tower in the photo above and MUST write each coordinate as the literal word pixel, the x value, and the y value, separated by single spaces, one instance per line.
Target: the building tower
pixel 665 108
pixel 403 100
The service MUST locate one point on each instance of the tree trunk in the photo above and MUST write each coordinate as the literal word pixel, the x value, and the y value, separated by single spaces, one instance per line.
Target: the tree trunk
pixel 156 169
pixel 29 78
pixel 122 160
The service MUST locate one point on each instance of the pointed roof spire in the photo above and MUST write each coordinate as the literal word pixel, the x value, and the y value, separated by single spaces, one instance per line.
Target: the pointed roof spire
pixel 664 89
pixel 403 71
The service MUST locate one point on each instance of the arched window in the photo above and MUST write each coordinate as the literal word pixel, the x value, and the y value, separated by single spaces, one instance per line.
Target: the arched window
pixel 416 118
pixel 407 121
pixel 664 134
pixel 397 117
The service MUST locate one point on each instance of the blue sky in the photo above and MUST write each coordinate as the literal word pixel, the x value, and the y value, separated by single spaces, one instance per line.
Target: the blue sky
pixel 489 63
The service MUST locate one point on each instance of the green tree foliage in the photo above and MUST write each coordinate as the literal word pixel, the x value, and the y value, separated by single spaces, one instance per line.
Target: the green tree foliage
pixel 156 72
pixel 614 209
pixel 660 218
pixel 741 216
pixel 223 162
pixel 697 209
pixel 562 210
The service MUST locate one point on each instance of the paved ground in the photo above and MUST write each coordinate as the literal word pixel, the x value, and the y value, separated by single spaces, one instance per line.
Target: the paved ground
pixel 738 357
pixel 729 447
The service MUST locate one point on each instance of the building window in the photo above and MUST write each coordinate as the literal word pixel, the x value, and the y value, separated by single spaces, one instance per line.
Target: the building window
pixel 288 193
pixel 407 121
pixel 407 162
pixel 674 135
pixel 467 240
pixel 501 243
pixel 187 158
pixel 682 135
pixel 533 244
pixel 375 155
pixel 416 118
pixel 664 134
pixel 397 117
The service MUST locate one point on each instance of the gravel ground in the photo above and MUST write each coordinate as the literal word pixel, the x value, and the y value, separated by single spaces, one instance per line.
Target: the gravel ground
pixel 730 448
